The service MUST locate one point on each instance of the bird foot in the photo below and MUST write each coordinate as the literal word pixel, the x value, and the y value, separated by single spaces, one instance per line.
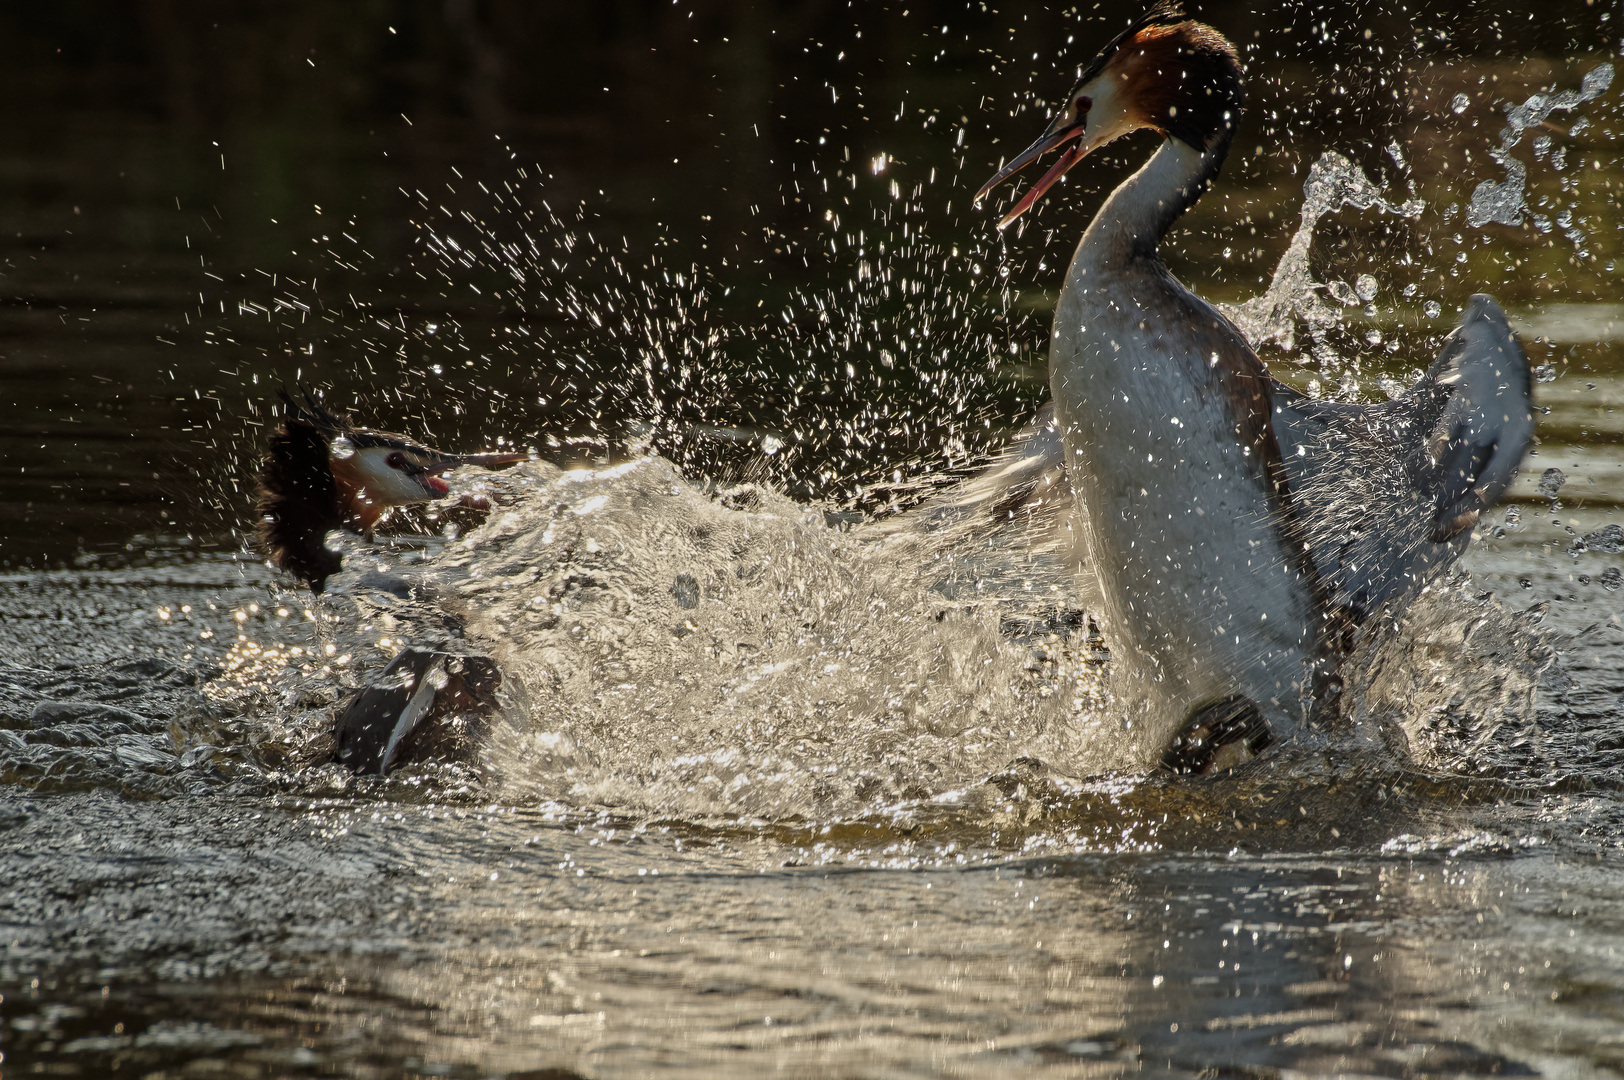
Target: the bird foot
pixel 1218 737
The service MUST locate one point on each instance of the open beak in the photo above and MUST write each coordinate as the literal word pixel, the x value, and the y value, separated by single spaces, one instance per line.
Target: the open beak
pixel 1048 141
pixel 446 462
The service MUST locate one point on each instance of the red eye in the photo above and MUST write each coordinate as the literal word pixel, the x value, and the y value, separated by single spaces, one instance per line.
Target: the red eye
pixel 396 460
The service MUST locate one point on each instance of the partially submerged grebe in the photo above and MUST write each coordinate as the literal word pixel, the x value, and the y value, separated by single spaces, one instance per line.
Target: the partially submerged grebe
pixel 320 474
pixel 1230 571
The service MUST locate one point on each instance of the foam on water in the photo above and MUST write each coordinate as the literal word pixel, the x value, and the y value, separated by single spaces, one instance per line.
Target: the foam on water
pixel 700 654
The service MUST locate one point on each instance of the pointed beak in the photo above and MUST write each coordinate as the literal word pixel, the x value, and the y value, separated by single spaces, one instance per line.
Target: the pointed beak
pixel 446 462
pixel 1048 141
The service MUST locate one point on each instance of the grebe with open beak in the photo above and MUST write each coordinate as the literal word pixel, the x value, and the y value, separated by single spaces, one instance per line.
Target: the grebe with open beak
pixel 320 474
pixel 1230 573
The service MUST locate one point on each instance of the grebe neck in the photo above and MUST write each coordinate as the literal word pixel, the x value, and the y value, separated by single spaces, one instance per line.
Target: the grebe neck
pixel 1133 220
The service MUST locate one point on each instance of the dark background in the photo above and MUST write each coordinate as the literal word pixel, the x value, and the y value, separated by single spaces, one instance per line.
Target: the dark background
pixel 201 202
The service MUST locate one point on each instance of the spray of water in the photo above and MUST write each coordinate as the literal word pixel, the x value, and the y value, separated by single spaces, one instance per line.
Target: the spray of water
pixel 1502 201
pixel 688 644
pixel 1294 296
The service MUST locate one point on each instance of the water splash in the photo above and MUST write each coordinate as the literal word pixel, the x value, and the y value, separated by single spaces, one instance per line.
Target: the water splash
pixel 725 652
pixel 1502 201
pixel 572 337
pixel 697 650
pixel 1293 294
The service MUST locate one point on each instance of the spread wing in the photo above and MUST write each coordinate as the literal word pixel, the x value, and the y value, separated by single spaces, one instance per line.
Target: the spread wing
pixel 1007 531
pixel 1388 492
pixel 1479 441
pixel 427 705
pixel 1391 491
pixel 1025 479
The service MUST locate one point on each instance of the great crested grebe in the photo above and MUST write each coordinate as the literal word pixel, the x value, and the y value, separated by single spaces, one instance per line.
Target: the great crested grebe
pixel 320 474
pixel 1230 573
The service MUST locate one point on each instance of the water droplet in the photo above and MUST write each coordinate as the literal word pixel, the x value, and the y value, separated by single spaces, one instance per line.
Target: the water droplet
pixel 1460 103
pixel 1609 539
pixel 1343 293
pixel 1433 309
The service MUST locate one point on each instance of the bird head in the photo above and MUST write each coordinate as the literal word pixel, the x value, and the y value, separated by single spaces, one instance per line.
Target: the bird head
pixel 375 471
pixel 1165 72
pixel 321 473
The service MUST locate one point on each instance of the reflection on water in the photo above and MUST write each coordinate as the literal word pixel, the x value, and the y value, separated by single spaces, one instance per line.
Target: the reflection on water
pixel 1330 911
pixel 502 941
pixel 779 793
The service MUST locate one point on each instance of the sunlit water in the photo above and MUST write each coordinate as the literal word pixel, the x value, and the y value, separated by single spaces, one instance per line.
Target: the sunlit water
pixel 776 787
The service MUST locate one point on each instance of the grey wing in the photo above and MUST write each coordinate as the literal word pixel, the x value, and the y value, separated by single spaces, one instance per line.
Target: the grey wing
pixel 1026 481
pixel 427 705
pixel 1029 477
pixel 1389 492
pixel 1478 443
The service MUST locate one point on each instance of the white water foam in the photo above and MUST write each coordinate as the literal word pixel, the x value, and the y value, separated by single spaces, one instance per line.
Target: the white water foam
pixel 729 653
pixel 701 654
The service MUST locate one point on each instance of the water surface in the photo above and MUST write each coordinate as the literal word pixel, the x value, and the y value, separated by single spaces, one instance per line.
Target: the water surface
pixel 697 847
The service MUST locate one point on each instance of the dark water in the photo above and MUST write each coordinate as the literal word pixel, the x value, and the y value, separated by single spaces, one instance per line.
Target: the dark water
pixel 201 206
pixel 177 177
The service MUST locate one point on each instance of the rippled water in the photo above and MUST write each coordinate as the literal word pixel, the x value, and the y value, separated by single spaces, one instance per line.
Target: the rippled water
pixel 654 882
pixel 777 786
